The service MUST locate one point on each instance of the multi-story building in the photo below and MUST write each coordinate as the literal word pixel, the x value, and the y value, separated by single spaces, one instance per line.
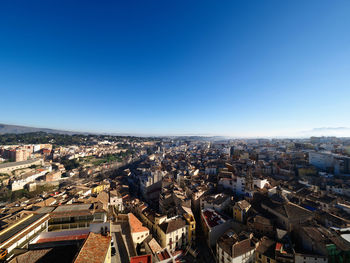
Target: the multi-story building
pixel 159 254
pixel 116 200
pixel 240 211
pixel 214 225
pixel 7 168
pixel 75 216
pixel 173 234
pixel 191 227
pixel 138 232
pixel 21 232
pixel 234 248
pixel 218 202
pixel 265 251
pixel 338 164
pixel 238 184
pixel 27 178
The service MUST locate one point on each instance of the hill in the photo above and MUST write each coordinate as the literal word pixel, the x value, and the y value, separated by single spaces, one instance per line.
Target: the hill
pixel 16 129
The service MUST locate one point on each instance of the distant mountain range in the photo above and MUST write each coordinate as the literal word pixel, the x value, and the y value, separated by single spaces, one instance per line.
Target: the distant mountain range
pixel 16 129
pixel 325 131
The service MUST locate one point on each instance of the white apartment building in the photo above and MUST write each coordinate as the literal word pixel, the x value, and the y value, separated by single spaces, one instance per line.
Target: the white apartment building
pixel 18 184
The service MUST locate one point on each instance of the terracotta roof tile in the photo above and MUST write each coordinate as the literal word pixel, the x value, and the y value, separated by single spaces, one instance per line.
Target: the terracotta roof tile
pixel 135 224
pixel 94 249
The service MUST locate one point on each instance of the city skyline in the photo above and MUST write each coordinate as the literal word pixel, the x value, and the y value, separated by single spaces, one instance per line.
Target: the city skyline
pixel 259 69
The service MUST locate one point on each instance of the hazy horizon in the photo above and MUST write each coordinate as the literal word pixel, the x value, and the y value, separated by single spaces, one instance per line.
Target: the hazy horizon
pixel 318 132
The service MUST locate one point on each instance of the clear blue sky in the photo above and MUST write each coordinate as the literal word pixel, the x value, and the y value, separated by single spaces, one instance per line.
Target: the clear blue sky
pixel 240 68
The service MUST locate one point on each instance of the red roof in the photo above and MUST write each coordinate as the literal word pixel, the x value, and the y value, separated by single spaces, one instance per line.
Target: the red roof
pixel 278 246
pixel 163 255
pixel 62 238
pixel 213 218
pixel 94 249
pixel 63 235
pixel 141 259
pixel 135 224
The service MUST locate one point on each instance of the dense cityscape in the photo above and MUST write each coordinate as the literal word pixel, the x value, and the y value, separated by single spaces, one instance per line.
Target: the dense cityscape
pixel 175 131
pixel 180 199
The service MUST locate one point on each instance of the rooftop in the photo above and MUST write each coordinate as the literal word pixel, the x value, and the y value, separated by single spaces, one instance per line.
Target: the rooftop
pixel 66 255
pixel 266 247
pixel 216 199
pixel 70 208
pixel 73 210
pixel 63 235
pixel 135 224
pixel 172 225
pixel 14 229
pixel 236 245
pixel 141 259
pixel 213 218
pixel 154 246
pixel 243 204
pixel 11 164
pixel 94 249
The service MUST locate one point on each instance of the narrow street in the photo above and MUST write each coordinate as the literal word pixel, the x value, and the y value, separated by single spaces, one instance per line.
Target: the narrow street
pixel 204 252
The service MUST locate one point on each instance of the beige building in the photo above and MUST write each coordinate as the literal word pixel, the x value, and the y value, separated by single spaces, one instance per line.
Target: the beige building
pixel 138 232
pixel 173 234
pixel 7 168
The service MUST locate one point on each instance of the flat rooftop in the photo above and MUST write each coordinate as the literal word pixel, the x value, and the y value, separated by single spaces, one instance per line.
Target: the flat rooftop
pixel 213 218
pixel 11 164
pixel 63 235
pixel 72 208
pixel 10 231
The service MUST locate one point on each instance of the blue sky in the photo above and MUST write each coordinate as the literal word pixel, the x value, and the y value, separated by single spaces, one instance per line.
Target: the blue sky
pixel 239 68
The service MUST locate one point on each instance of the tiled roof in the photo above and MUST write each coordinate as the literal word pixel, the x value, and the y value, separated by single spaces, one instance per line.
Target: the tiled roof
pixel 235 245
pixel 135 224
pixel 243 204
pixel 154 246
pixel 94 249
pixel 242 247
pixel 141 259
pixel 266 247
pixel 32 256
pixel 172 225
